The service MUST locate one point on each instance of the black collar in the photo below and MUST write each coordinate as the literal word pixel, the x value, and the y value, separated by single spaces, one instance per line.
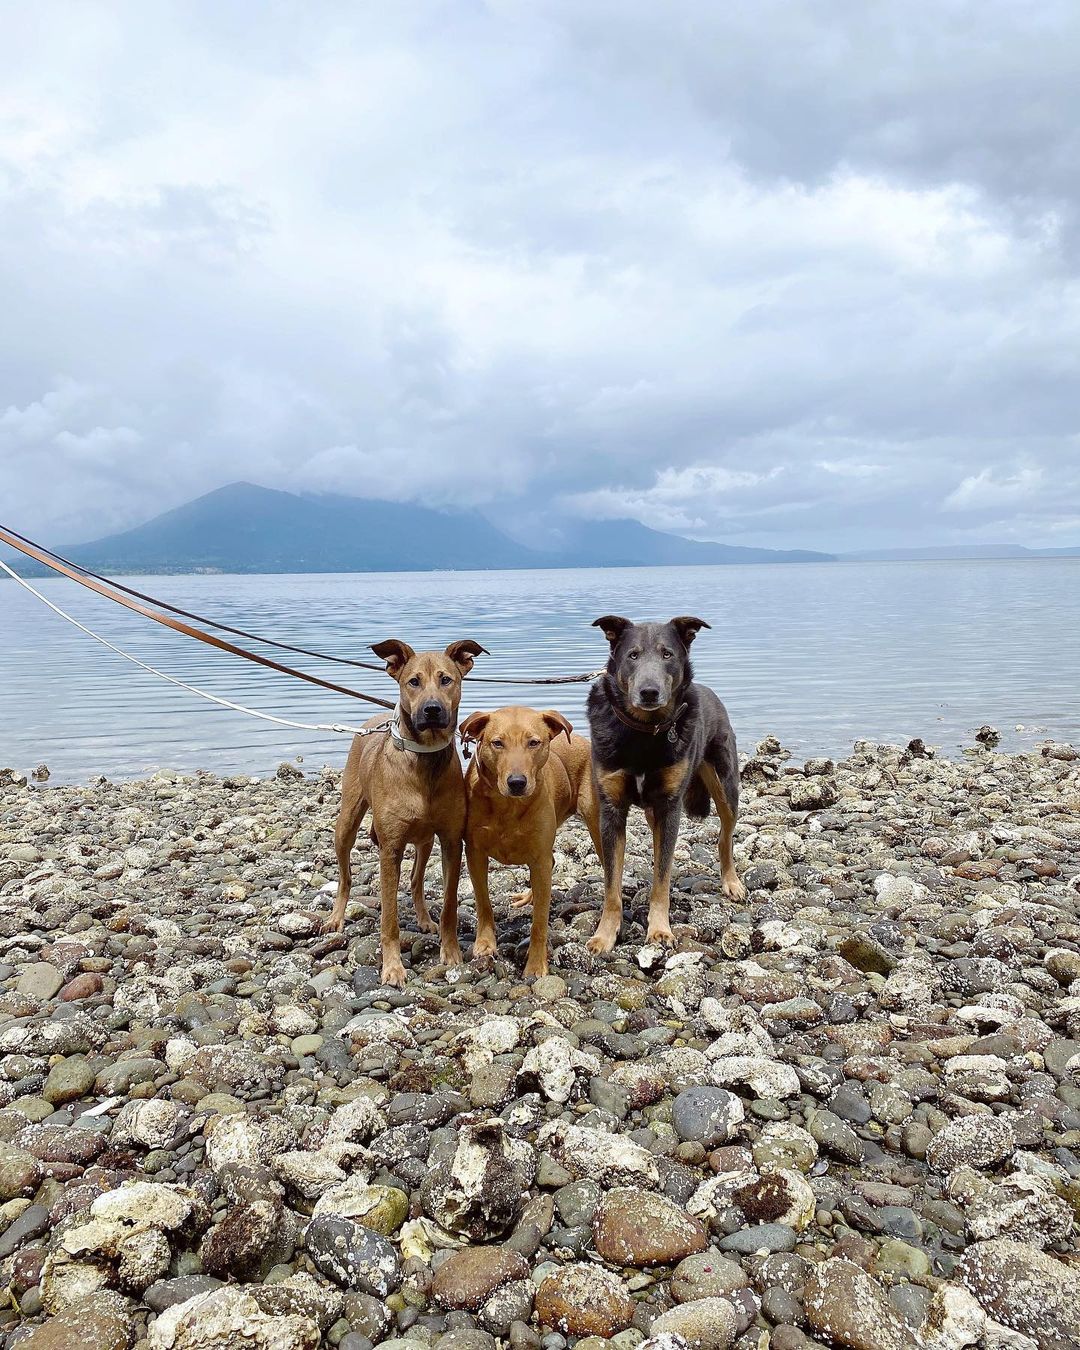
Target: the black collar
pixel 670 724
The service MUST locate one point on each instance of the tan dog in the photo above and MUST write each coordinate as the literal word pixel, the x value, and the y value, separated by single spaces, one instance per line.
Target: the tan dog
pixel 411 779
pixel 529 774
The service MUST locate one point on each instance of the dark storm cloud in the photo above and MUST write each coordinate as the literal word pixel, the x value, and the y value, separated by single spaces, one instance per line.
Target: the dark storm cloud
pixel 776 273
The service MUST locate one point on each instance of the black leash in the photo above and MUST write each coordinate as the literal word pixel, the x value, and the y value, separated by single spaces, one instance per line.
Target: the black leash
pixel 18 541
pixel 100 587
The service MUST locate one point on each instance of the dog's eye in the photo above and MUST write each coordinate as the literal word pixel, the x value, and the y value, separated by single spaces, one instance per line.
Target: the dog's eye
pixel 632 656
pixel 414 683
pixel 666 654
pixel 444 680
pixel 497 745
pixel 534 744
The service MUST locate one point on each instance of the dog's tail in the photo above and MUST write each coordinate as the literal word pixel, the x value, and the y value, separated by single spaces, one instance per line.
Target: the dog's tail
pixel 697 800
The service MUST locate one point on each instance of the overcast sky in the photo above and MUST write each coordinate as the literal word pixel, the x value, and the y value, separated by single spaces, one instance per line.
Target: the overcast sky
pixel 786 273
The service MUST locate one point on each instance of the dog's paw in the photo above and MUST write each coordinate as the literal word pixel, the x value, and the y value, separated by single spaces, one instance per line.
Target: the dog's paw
pixel 426 923
pixel 601 942
pixel 521 899
pixel 330 923
pixel 393 974
pixel 660 937
pixel 733 888
pixel 484 947
pixel 535 967
pixel 450 953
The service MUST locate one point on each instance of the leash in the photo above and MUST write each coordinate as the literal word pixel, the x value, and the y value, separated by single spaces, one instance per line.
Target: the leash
pixel 77 572
pixel 391 727
pixel 191 689
pixel 101 588
pixel 15 539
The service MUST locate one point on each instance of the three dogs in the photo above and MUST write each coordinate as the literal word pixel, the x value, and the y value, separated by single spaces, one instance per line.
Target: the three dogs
pixel 660 741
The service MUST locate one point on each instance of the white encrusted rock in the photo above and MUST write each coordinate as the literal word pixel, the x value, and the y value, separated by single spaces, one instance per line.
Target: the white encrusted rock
pixel 227 1318
pixel 556 1065
pixel 610 1159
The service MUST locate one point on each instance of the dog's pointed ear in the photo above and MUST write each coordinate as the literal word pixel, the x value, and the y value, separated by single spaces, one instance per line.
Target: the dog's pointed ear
pixel 463 652
pixel 687 627
pixel 395 653
pixel 473 726
pixel 556 723
pixel 613 626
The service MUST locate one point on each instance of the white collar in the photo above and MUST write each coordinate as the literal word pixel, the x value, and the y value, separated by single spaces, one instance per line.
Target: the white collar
pixel 401 742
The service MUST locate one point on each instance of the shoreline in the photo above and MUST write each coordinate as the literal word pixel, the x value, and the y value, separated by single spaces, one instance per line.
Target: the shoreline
pixel 859 1091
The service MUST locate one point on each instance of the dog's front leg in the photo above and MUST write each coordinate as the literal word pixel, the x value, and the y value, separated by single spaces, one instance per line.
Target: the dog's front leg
pixel 420 860
pixel 614 805
pixel 449 947
pixel 540 882
pixel 485 944
pixel 665 815
pixel 390 855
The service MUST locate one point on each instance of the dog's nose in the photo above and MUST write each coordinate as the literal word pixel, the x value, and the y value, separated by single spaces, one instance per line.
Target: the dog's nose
pixel 433 714
pixel 649 696
pixel 516 783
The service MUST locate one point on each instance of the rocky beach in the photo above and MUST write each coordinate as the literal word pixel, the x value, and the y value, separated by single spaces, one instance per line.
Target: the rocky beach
pixel 844 1113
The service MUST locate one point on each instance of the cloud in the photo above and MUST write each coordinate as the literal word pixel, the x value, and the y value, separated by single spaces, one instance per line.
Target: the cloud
pixel 986 490
pixel 740 271
pixel 673 501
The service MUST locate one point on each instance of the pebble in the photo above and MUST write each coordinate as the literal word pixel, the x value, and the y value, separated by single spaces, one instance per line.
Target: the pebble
pixel 584 1300
pixel 68 1080
pixel 39 980
pixel 845 1303
pixel 705 1324
pixel 762 1237
pixel 706 1115
pixel 1025 1289
pixel 853 1099
pixel 706 1275
pixel 975 1141
pixel 353 1256
pixel 468 1278
pixel 637 1228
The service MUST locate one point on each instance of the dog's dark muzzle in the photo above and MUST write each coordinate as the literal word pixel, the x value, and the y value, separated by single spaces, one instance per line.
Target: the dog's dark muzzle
pixel 431 717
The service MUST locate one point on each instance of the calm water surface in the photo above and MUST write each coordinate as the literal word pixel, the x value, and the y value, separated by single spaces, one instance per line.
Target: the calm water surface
pixel 820 655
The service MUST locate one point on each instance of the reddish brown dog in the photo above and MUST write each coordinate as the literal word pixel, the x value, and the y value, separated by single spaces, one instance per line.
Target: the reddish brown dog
pixel 410 777
pixel 529 774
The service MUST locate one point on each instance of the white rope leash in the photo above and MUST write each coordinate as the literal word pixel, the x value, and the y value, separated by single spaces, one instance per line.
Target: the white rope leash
pixel 191 689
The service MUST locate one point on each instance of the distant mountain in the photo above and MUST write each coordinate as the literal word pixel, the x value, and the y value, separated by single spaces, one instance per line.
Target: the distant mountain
pixel 947 552
pixel 244 528
pixel 628 543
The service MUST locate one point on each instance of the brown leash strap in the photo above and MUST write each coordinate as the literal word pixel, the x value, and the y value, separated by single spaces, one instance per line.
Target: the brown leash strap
pixel 16 540
pixel 189 614
pixel 129 602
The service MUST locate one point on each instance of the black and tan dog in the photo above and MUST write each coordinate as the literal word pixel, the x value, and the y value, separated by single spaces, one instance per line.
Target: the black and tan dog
pixel 410 777
pixel 661 742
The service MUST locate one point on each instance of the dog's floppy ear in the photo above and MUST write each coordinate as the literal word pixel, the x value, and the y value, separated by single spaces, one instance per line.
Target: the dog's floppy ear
pixel 613 626
pixel 555 723
pixel 462 653
pixel 687 627
pixel 473 726
pixel 396 654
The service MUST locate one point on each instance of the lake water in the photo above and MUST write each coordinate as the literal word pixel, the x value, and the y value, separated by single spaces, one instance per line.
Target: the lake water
pixel 820 655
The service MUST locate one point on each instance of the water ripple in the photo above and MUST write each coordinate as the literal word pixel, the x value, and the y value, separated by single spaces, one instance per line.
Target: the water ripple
pixel 818 654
